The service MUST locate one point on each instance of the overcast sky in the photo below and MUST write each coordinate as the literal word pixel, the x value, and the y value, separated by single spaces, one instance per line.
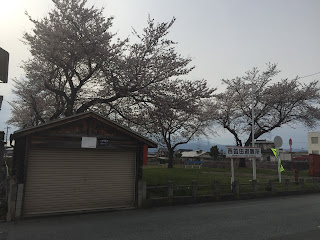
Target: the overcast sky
pixel 224 38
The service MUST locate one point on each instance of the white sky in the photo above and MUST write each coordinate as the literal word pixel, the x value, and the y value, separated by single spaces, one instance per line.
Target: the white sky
pixel 224 38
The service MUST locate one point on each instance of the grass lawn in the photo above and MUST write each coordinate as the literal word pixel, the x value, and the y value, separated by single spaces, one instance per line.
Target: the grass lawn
pixel 160 175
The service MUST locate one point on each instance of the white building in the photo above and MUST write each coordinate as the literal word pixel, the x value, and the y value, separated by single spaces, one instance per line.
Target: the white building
pixel 198 155
pixel 313 142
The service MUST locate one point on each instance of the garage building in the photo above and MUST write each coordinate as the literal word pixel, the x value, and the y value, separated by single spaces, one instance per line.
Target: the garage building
pixel 80 163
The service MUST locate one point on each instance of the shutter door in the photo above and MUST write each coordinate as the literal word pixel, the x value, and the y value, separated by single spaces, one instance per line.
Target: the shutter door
pixel 62 180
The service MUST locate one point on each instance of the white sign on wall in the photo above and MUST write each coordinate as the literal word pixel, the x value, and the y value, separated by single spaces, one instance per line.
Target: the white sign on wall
pixel 88 142
pixel 243 152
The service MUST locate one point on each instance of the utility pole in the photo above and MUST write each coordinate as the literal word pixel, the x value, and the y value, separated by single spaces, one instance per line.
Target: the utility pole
pixel 7 133
pixel 4 66
pixel 254 166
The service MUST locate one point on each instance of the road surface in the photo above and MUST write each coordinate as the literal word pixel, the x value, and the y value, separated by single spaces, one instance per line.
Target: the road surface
pixel 294 217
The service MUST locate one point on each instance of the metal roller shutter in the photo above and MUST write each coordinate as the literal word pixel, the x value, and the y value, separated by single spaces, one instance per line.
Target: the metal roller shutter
pixel 62 180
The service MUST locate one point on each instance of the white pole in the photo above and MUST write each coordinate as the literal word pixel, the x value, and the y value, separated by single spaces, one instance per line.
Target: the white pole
pixel 279 167
pixel 232 172
pixel 254 168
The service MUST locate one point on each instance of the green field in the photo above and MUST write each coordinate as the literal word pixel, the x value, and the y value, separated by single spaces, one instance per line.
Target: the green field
pixel 160 175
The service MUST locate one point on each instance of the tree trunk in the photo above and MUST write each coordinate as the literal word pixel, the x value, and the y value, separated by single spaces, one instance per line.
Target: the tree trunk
pixel 242 162
pixel 170 162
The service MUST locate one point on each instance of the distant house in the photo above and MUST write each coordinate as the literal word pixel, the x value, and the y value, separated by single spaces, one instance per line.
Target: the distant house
pixel 313 142
pixel 183 150
pixel 198 155
pixel 266 153
pixel 162 152
pixel 284 155
pixel 153 160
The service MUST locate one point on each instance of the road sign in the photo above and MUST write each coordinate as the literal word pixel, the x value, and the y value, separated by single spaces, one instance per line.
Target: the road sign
pixel 4 64
pixel 243 152
pixel 277 141
pixel 290 142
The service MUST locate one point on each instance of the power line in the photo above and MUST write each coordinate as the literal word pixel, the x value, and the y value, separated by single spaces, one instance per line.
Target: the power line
pixel 309 75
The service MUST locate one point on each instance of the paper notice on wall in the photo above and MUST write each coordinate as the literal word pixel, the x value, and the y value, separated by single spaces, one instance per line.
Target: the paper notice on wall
pixel 89 142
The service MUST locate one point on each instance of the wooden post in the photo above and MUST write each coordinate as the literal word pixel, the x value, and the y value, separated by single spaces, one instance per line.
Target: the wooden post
pixel 216 190
pixel 144 190
pixel 170 189
pixel 301 183
pixel 314 184
pixel 12 195
pixel 194 188
pixel 254 187
pixel 279 165
pixel 232 171
pixel 271 185
pixel 19 200
pixel 287 184
pixel 140 193
pixel 236 189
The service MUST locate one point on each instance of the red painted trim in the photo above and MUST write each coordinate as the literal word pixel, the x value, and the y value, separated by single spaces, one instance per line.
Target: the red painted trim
pixel 145 154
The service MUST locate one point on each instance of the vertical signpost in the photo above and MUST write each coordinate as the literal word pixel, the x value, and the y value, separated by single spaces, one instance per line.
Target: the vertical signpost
pixel 241 152
pixel 277 144
pixel 290 143
pixel 232 171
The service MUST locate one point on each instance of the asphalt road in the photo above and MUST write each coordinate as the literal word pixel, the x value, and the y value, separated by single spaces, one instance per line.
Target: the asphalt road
pixel 291 218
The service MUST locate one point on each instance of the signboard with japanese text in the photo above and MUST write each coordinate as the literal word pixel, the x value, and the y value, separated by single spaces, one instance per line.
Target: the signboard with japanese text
pixel 102 142
pixel 243 152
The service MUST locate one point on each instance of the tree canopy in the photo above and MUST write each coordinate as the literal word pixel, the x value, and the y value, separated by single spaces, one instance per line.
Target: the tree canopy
pixel 275 104
pixel 179 112
pixel 214 152
pixel 77 65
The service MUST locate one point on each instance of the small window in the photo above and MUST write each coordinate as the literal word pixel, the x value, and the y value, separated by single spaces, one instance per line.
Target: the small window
pixel 315 152
pixel 314 140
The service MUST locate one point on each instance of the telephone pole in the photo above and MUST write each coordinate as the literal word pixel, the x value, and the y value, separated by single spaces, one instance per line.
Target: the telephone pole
pixel 7 133
pixel 254 166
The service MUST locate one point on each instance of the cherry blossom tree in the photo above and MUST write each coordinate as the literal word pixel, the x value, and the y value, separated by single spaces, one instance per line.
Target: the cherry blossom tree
pixel 275 104
pixel 77 63
pixel 181 111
